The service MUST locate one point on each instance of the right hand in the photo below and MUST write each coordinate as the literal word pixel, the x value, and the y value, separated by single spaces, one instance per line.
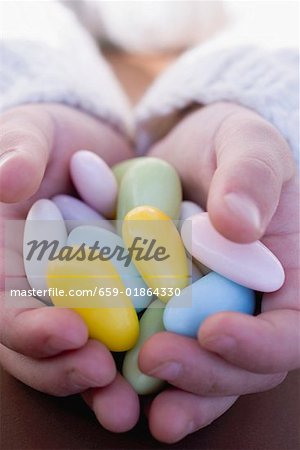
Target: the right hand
pixel 230 152
pixel 48 348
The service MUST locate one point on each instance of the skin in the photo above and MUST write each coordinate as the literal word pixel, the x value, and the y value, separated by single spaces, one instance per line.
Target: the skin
pixel 48 348
pixel 231 150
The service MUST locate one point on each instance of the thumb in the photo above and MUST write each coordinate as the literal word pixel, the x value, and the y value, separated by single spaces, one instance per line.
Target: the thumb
pixel 30 134
pixel 253 163
pixel 25 142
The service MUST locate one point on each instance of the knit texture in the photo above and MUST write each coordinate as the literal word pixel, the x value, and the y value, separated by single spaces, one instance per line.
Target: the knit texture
pixel 265 81
pixel 47 56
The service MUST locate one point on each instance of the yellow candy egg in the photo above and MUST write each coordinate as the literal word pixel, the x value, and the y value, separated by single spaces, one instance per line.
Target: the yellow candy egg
pixel 156 249
pixel 93 288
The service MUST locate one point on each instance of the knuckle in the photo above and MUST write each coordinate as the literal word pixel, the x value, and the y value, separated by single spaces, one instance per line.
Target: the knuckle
pixel 70 382
pixel 256 134
pixel 248 125
pixel 208 384
pixel 212 386
pixel 76 380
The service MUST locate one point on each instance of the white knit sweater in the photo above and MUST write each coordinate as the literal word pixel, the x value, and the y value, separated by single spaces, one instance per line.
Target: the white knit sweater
pixel 49 53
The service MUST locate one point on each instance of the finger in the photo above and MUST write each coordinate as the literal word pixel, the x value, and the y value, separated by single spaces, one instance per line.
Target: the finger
pixel 194 132
pixel 76 130
pixel 237 165
pixel 116 406
pixel 253 162
pixel 41 331
pixel 25 143
pixel 33 132
pixel 65 374
pixel 174 414
pixel 267 343
pixel 185 365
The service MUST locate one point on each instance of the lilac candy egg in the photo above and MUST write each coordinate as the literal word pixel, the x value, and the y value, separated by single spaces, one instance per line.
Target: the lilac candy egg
pixel 94 181
pixel 77 213
pixel 44 234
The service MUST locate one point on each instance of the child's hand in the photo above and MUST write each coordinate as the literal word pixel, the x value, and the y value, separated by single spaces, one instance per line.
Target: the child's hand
pixel 48 348
pixel 239 167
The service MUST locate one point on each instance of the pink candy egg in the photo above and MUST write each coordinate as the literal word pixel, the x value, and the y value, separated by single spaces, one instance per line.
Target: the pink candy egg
pixel 94 181
pixel 252 265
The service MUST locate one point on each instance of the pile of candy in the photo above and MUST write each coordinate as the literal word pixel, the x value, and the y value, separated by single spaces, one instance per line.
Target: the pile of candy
pixel 161 256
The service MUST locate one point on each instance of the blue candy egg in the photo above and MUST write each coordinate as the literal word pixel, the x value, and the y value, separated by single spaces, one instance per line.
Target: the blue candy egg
pixel 211 294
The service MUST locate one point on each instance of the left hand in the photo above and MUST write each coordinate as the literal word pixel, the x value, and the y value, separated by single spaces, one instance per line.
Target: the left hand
pixel 237 166
pixel 48 348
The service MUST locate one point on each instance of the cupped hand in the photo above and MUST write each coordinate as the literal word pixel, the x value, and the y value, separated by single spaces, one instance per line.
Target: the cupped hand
pixel 48 348
pixel 238 167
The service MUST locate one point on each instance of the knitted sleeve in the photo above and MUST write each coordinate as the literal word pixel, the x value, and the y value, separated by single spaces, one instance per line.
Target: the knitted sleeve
pixel 255 68
pixel 47 56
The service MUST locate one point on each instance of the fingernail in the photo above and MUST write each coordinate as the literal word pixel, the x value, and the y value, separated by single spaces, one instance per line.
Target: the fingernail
pixel 244 208
pixel 188 427
pixel 79 379
pixel 167 371
pixel 219 343
pixel 6 156
pixel 68 342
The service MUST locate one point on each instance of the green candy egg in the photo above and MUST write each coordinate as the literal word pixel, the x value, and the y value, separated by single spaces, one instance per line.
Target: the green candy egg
pixel 121 168
pixel 150 323
pixel 152 182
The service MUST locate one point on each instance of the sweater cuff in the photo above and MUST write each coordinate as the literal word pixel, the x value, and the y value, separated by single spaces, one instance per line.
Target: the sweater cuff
pixel 46 56
pixel 265 81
